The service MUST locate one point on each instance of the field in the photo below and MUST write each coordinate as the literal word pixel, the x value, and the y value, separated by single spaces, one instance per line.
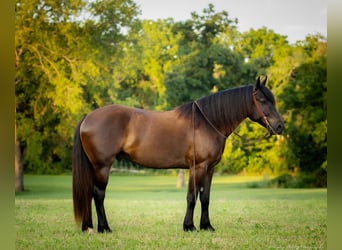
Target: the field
pixel 146 212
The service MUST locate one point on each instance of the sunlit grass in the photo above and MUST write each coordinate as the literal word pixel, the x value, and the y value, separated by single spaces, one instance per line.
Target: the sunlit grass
pixel 146 212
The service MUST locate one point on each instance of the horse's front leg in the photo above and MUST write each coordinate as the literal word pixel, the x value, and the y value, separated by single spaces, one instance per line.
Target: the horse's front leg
pixel 205 197
pixel 188 224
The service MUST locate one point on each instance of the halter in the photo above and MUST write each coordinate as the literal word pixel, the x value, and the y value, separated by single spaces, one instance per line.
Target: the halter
pixel 257 105
pixel 268 124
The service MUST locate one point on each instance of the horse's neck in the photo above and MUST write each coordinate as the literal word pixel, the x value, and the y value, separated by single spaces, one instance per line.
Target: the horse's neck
pixel 230 128
pixel 235 112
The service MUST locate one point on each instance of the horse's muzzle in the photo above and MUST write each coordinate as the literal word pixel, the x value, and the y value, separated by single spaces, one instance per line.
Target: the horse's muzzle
pixel 277 129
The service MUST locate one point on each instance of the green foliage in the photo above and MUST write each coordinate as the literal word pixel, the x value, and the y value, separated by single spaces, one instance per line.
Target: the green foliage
pixel 306 180
pixel 206 63
pixel 62 72
pixel 72 57
pixel 147 59
pixel 260 46
pixel 305 101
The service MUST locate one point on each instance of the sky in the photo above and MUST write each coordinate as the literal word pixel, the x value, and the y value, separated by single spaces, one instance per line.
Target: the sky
pixel 292 18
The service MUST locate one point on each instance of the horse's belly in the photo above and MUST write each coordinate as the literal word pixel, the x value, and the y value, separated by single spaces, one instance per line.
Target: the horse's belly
pixel 158 155
pixel 157 140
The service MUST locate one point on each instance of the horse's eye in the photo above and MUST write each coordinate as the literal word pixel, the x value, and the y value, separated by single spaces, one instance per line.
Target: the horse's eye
pixel 262 100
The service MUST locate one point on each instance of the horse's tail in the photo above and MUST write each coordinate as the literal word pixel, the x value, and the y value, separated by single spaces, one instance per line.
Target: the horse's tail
pixel 82 180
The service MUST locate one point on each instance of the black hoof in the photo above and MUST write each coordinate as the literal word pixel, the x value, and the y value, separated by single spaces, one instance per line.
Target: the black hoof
pixel 189 228
pixel 207 228
pixel 105 229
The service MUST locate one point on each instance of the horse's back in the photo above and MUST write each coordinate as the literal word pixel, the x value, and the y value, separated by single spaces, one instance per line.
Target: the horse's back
pixel 150 138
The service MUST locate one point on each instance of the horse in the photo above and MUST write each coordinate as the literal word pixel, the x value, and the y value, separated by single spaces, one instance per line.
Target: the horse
pixel 191 136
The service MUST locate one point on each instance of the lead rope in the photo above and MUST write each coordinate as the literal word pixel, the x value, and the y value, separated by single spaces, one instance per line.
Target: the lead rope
pixel 250 142
pixel 194 149
pixel 210 123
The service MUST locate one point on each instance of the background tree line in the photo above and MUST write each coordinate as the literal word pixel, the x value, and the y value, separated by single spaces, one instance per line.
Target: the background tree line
pixel 75 56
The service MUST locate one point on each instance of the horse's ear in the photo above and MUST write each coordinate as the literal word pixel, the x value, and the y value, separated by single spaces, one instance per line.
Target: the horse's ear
pixel 257 85
pixel 264 81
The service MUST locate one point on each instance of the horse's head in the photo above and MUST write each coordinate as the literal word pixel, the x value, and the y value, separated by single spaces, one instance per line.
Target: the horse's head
pixel 264 109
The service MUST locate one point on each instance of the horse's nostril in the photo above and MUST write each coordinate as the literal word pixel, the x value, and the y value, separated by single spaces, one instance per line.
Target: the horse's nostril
pixel 280 127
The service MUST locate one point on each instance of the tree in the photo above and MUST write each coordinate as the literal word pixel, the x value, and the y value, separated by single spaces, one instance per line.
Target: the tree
pixel 147 59
pixel 63 70
pixel 18 168
pixel 180 179
pixel 72 57
pixel 306 105
pixel 205 64
pixel 44 90
pixel 258 50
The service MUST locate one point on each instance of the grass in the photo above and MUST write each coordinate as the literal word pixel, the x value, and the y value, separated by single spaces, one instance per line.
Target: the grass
pixel 146 212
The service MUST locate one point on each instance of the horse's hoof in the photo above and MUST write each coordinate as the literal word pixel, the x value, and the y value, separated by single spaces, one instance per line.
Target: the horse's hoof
pixel 207 228
pixel 102 230
pixel 190 228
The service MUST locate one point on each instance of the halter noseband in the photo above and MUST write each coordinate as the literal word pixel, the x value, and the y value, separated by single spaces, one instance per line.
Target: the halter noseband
pixel 268 124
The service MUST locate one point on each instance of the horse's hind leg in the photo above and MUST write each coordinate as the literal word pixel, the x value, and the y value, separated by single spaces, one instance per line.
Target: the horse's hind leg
pixel 87 222
pixel 101 181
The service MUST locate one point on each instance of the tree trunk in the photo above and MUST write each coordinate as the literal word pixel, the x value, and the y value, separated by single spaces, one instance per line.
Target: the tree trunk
pixel 180 180
pixel 19 171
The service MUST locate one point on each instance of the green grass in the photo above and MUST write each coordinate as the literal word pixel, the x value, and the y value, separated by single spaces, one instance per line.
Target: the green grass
pixel 146 212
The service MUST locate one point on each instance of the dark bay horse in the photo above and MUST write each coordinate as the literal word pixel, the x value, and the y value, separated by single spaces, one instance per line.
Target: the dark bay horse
pixel 191 136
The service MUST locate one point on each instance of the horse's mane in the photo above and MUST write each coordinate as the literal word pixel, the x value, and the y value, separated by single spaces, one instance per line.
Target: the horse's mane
pixel 224 108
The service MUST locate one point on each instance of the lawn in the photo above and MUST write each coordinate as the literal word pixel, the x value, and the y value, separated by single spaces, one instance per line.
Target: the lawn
pixel 146 212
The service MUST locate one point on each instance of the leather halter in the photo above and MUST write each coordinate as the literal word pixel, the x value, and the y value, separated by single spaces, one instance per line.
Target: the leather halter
pixel 257 105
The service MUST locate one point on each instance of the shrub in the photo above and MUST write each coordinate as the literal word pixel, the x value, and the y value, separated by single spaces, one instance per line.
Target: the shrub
pixel 317 179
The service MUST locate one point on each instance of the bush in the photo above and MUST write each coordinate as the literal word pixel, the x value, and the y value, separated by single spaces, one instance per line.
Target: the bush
pixel 317 179
pixel 284 181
